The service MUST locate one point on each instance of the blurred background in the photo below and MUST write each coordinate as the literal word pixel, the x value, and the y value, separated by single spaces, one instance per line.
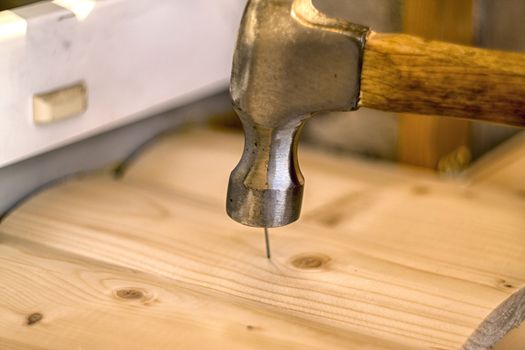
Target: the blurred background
pixel 142 67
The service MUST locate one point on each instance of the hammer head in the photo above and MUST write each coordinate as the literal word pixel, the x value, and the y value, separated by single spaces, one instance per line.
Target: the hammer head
pixel 290 62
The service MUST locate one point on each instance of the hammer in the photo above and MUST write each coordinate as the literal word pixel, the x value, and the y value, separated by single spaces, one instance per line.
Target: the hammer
pixel 291 62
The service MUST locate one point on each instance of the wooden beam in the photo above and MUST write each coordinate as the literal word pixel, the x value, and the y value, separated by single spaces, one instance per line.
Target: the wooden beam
pixel 384 258
pixel 424 140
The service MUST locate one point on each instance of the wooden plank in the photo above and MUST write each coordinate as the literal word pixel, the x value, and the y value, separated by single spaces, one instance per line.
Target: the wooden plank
pixel 85 304
pixel 424 140
pixel 503 168
pixel 219 155
pixel 389 259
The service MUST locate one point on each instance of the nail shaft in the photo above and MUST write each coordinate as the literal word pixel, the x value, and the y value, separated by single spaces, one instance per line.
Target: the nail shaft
pixel 267 240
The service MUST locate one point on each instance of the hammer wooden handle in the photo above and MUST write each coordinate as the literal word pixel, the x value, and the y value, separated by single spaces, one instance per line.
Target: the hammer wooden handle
pixel 402 73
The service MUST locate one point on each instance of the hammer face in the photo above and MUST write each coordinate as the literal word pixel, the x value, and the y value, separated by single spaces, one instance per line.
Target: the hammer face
pixel 266 187
pixel 290 62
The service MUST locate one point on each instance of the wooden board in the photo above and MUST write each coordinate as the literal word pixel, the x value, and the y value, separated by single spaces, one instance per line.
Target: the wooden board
pixel 503 168
pixel 383 258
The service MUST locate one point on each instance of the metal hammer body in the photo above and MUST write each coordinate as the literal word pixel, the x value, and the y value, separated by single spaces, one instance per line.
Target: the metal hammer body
pixel 291 62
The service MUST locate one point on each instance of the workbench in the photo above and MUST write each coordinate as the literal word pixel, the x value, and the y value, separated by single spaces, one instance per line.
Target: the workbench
pixel 384 257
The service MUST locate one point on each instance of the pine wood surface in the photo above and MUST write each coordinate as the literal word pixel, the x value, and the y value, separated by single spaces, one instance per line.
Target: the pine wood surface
pixel 406 74
pixel 383 258
pixel 503 168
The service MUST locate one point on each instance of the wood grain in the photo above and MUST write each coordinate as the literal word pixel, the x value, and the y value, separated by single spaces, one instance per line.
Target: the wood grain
pixel 503 169
pixel 407 74
pixel 384 258
pixel 87 304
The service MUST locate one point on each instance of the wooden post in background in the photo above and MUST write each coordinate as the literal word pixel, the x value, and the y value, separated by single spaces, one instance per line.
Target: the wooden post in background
pixel 425 140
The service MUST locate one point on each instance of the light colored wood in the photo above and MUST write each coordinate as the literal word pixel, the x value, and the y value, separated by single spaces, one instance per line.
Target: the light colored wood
pixel 407 74
pixel 503 168
pixel 87 304
pixel 384 258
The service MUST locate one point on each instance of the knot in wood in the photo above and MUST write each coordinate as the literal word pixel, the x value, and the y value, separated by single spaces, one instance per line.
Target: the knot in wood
pixel 310 261
pixel 34 318
pixel 505 284
pixel 421 190
pixel 130 293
